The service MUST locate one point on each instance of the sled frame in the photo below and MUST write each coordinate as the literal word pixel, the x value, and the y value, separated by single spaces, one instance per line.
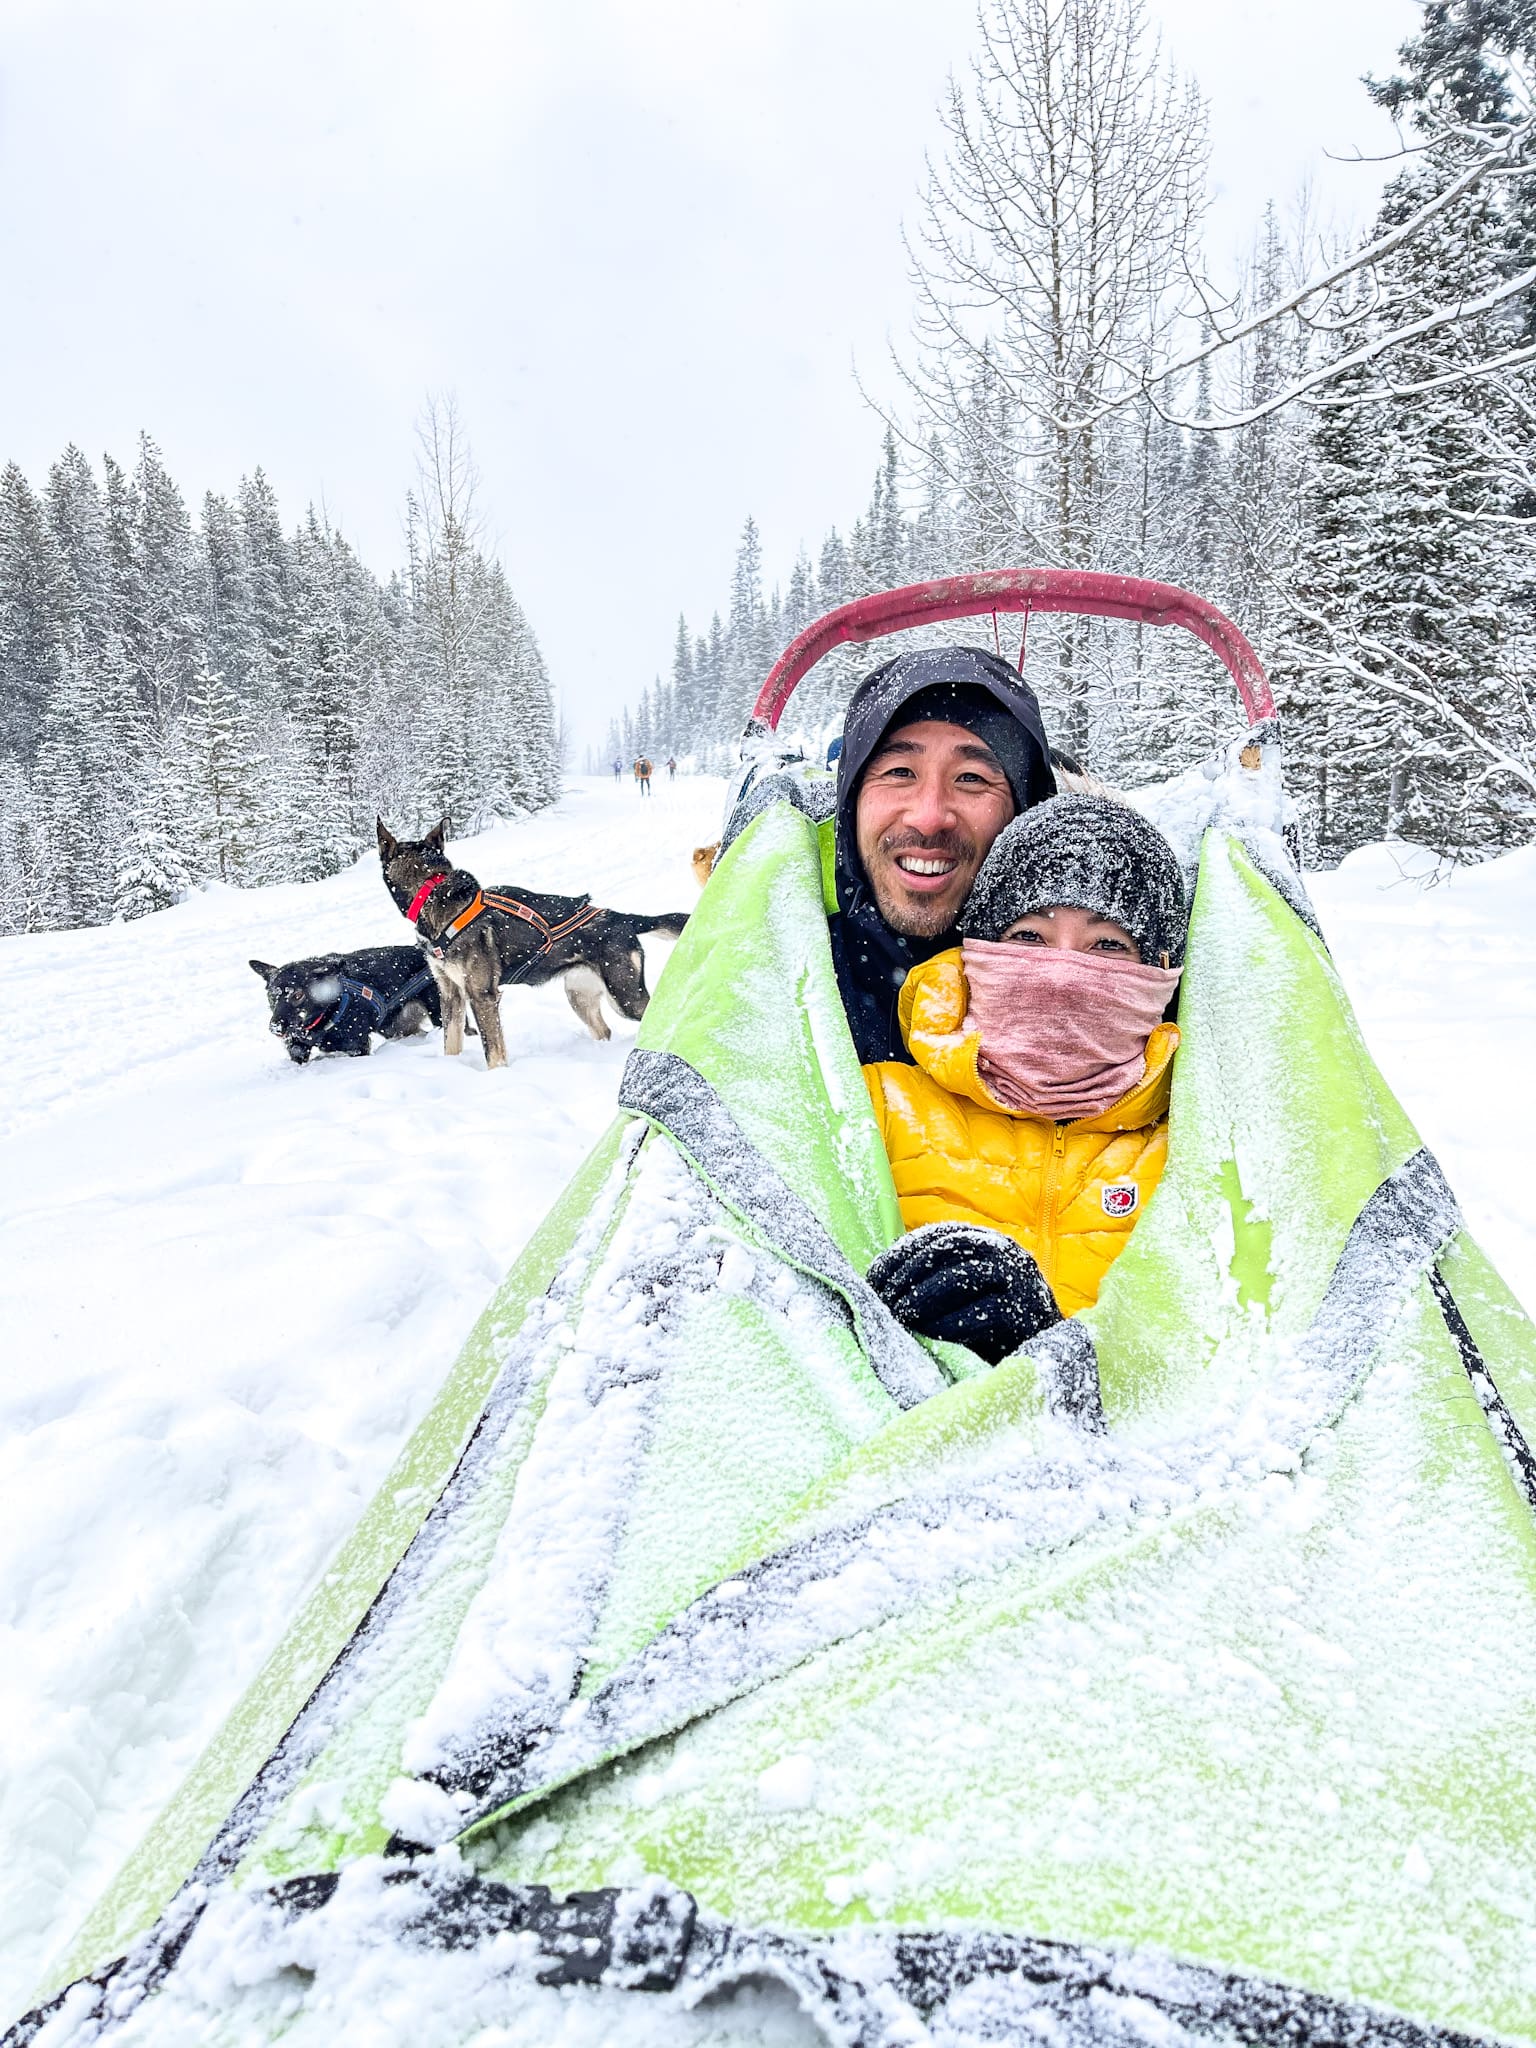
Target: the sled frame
pixel 1088 593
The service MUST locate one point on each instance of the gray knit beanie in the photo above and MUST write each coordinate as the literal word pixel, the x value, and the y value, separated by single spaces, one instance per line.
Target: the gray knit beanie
pixel 1090 852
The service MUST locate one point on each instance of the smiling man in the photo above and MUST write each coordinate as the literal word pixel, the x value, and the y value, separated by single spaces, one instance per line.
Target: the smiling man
pixel 941 748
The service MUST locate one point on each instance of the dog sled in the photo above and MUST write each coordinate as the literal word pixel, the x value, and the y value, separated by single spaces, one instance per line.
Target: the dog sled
pixel 1174 1680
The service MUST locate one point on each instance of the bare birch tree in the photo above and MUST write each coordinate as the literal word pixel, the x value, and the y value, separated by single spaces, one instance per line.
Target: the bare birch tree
pixel 1054 249
pixel 452 598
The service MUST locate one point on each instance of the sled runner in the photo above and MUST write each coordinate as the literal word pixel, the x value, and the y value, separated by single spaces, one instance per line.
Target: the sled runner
pixel 1173 1680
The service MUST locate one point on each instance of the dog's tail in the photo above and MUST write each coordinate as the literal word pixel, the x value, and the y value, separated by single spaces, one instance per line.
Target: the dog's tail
pixel 669 924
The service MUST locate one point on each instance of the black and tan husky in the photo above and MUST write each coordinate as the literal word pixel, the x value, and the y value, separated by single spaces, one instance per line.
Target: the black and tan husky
pixel 476 940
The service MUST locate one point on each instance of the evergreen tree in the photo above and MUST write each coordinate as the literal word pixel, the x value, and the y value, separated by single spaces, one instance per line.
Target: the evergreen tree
pixel 228 702
pixel 219 780
pixel 152 872
pixel 77 515
pixel 228 611
pixel 749 647
pixel 36 602
pixel 163 622
pixel 1409 562
pixel 269 574
pixel 688 713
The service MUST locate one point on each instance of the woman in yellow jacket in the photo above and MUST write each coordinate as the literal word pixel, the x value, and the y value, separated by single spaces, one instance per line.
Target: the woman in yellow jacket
pixel 1031 1127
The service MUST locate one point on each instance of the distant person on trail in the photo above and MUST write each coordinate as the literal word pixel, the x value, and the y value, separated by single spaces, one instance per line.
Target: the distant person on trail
pixel 618 770
pixel 941 748
pixel 1032 1128
pixel 643 774
pixel 671 769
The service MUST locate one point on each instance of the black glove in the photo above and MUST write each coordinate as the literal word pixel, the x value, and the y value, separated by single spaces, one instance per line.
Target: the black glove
pixel 967 1285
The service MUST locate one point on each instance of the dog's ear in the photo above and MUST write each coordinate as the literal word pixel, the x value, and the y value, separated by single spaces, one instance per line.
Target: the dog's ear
pixel 388 843
pixel 264 968
pixel 437 835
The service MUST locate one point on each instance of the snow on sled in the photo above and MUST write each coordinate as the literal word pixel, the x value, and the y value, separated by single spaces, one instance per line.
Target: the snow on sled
pixel 1174 1680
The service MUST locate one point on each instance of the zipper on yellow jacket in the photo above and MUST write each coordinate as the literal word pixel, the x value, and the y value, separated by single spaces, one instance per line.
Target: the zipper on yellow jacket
pixel 1048 1202
pixel 938 1174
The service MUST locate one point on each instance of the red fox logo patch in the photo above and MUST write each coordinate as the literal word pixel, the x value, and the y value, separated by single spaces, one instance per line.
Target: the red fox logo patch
pixel 1120 1197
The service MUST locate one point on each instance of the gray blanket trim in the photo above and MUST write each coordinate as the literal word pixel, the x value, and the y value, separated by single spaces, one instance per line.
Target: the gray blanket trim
pixel 664 1088
pixel 861 1988
pixel 1393 1243
pixel 760 1624
pixel 814 799
pixel 1507 1433
pixel 1067 1362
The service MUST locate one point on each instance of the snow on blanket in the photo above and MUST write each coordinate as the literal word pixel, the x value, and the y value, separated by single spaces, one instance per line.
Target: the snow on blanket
pixel 234 1285
pixel 231 1287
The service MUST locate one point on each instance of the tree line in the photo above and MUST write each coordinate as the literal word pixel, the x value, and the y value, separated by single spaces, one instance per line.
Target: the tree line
pixel 1339 448
pixel 232 700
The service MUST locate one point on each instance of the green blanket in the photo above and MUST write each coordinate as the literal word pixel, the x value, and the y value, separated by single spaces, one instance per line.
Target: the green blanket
pixel 1204 1627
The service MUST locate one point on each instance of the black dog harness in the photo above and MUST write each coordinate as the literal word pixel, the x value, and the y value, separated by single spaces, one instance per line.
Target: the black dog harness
pixel 382 1006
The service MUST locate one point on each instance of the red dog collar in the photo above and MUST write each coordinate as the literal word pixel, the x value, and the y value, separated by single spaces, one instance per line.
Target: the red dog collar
pixel 418 901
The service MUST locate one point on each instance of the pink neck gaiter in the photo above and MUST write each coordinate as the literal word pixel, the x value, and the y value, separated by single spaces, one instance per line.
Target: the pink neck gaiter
pixel 1063 1035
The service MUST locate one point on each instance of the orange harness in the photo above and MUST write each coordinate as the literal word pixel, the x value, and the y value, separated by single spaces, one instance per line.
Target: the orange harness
pixel 510 906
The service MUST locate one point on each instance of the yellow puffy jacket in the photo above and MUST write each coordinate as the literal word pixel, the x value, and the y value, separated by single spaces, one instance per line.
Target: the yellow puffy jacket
pixel 1068 1192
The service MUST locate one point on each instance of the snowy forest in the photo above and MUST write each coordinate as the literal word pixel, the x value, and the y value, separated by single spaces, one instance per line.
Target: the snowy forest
pixel 1339 449
pixel 231 701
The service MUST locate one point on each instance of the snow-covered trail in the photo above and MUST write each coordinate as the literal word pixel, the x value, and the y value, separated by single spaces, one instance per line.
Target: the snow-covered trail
pixel 232 1285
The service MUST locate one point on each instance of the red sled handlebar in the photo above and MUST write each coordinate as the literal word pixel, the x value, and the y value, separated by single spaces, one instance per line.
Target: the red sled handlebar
pixel 1087 592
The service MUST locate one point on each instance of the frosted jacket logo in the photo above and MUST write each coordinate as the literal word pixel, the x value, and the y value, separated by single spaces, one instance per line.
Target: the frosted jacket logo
pixel 1120 1197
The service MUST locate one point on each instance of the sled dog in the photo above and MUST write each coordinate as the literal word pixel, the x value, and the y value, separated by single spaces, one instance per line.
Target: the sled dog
pixel 478 940
pixel 337 1001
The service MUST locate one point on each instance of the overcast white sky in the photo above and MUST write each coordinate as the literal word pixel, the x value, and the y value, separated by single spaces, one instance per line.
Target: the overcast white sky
pixel 643 241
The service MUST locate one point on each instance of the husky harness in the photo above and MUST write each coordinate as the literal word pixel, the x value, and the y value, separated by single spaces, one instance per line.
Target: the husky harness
pixel 382 1006
pixel 510 906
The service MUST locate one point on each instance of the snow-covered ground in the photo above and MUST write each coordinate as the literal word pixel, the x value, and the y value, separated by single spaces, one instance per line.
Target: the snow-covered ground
pixel 229 1288
pixel 1442 975
pixel 231 1285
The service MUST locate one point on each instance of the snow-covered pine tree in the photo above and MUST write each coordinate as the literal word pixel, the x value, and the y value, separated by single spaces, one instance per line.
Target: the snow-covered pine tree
pixel 77 515
pixel 218 774
pixel 147 663
pixel 152 872
pixel 1410 565
pixel 81 787
pixel 25 852
pixel 688 713
pixel 233 644
pixel 522 745
pixel 749 648
pixel 163 624
pixel 333 609
pixel 1465 81
pixel 36 602
pixel 1267 457
pixel 269 580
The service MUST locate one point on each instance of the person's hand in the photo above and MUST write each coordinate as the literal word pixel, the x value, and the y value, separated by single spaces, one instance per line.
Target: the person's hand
pixel 966 1285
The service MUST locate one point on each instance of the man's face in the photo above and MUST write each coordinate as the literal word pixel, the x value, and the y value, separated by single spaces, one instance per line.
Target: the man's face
pixel 932 800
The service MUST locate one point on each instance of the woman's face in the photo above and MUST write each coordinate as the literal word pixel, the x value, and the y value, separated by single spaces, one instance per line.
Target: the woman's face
pixel 1072 930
